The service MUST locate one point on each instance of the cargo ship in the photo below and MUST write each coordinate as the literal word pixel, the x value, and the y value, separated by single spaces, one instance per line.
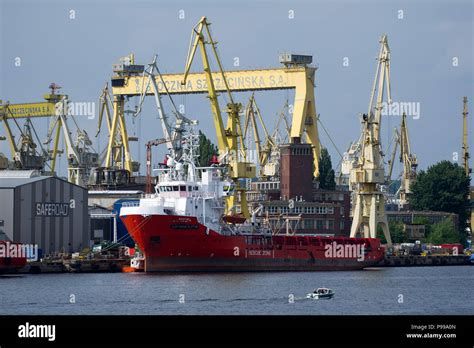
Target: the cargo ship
pixel 11 262
pixel 182 227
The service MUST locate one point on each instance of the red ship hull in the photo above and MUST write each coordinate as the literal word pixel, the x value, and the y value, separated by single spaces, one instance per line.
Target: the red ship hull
pixel 180 243
pixel 11 264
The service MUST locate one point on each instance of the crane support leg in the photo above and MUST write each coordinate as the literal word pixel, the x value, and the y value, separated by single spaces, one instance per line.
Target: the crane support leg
pixel 369 213
pixel 118 118
pixel 123 131
pixel 304 115
pixel 55 145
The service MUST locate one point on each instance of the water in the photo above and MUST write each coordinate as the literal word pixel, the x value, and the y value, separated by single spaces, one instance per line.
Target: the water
pixel 425 290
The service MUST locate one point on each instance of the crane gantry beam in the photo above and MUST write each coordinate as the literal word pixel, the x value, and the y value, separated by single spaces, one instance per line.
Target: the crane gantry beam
pixel 28 110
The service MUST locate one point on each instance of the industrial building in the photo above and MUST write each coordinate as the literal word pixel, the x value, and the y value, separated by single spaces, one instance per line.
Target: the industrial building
pixel 295 203
pixel 44 210
pixel 105 222
pixel 431 217
pixel 102 224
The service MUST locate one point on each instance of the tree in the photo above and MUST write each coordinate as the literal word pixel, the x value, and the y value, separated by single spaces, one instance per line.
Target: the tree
pixel 443 232
pixel 443 187
pixel 326 173
pixel 206 150
pixel 396 233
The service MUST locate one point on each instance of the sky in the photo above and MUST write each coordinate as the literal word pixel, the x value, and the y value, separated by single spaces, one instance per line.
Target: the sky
pixel 74 44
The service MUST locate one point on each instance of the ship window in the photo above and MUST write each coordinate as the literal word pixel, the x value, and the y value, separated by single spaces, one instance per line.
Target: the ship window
pixel 182 188
pixel 190 188
pixel 175 188
pixel 195 188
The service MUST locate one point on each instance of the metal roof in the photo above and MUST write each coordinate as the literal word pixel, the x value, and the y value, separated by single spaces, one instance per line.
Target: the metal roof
pixel 19 173
pixel 115 192
pixel 15 182
pixel 15 178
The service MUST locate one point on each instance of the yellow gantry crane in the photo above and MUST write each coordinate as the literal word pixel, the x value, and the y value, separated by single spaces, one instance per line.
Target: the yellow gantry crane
pixel 230 140
pixel 465 144
pixel 118 150
pixel 368 174
pixel 296 74
pixel 25 154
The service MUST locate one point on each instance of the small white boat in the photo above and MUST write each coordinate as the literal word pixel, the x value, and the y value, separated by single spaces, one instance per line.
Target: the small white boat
pixel 321 293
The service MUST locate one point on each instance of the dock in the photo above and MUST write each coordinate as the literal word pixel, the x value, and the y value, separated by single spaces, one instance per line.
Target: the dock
pixel 418 260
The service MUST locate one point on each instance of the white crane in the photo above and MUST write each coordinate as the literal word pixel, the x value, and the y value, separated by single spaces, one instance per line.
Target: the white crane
pixel 368 174
pixel 172 134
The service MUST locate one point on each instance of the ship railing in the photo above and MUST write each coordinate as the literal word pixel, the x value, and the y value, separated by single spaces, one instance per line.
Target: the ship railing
pixel 203 195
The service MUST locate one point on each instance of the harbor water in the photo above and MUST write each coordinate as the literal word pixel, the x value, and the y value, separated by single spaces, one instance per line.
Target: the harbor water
pixel 406 290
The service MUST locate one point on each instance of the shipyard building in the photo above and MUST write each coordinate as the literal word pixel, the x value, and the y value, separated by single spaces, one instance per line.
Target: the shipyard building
pixel 294 203
pixel 43 210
